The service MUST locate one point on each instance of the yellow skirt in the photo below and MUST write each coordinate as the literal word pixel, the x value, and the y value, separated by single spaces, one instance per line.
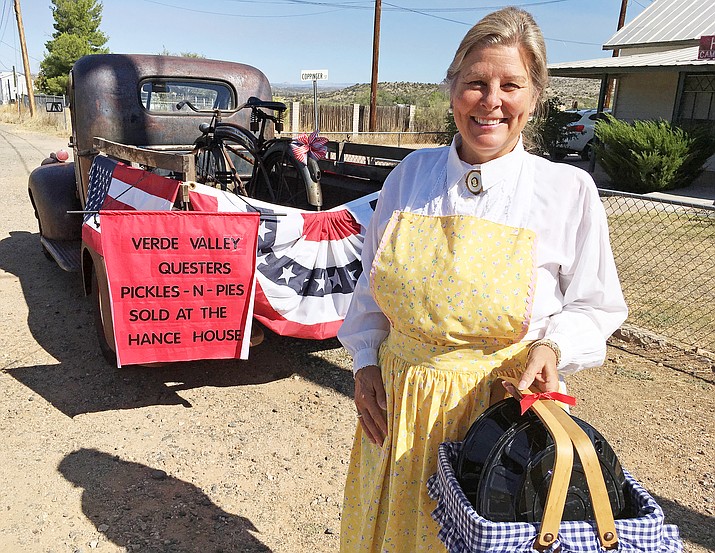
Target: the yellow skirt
pixel 386 507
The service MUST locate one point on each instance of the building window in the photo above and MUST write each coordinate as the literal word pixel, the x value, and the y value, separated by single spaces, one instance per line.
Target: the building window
pixel 697 103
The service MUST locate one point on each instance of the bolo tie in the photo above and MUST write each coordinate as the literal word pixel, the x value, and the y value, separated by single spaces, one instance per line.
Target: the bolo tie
pixel 473 181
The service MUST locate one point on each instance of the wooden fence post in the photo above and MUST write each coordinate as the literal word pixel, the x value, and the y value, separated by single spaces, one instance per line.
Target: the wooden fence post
pixel 356 120
pixel 295 117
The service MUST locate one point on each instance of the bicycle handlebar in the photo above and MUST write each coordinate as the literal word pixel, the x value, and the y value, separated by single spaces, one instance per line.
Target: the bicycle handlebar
pixel 253 103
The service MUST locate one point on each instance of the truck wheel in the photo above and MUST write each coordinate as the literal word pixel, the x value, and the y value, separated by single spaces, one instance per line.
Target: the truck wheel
pixel 107 352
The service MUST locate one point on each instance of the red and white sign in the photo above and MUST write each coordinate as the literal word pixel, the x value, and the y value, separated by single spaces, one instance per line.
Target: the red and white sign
pixel 181 283
pixel 706 51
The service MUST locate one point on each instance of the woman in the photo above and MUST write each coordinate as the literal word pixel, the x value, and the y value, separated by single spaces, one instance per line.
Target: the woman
pixel 480 261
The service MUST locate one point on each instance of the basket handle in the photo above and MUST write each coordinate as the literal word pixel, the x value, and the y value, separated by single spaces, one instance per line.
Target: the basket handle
pixel 602 512
pixel 568 435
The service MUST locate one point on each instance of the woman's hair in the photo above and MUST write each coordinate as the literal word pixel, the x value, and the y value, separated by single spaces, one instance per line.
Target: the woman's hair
pixel 507 27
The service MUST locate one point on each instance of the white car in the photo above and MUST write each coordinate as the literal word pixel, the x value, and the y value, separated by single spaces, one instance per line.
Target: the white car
pixel 582 133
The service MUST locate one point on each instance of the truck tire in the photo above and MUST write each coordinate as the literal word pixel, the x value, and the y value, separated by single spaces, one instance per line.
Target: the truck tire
pixel 107 352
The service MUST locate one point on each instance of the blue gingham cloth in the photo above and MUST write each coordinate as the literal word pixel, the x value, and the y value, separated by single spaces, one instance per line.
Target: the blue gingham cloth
pixel 464 531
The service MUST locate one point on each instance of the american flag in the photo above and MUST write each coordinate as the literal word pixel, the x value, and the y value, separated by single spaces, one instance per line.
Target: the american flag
pixel 114 185
pixel 308 262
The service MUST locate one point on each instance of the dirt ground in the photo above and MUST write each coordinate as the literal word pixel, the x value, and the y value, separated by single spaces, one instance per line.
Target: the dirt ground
pixel 247 455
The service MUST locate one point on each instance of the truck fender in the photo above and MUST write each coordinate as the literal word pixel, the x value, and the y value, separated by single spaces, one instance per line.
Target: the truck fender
pixel 53 192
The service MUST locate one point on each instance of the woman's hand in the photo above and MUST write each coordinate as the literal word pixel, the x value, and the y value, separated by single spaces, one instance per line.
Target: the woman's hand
pixel 540 370
pixel 371 403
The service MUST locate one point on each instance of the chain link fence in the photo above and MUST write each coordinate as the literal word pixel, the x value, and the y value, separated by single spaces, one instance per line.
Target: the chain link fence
pixel 665 254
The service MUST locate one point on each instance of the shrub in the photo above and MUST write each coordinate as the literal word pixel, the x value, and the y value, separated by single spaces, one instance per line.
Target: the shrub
pixel 649 156
pixel 547 129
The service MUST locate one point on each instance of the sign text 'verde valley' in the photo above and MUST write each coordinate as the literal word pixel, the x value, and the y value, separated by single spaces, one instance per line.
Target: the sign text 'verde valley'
pixel 181 283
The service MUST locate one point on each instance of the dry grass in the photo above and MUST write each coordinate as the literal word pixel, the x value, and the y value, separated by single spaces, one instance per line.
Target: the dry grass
pixel 43 122
pixel 665 262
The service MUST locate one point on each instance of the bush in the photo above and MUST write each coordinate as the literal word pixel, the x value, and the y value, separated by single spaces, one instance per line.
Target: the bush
pixel 547 129
pixel 650 156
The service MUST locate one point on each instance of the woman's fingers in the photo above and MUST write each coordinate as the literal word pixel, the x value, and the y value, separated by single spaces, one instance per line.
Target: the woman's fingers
pixel 541 370
pixel 371 403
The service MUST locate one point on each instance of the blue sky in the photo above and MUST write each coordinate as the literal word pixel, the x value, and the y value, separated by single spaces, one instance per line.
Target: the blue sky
pixel 281 37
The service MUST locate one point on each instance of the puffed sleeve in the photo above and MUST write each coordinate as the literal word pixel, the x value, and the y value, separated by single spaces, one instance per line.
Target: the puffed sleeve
pixel 365 326
pixel 593 303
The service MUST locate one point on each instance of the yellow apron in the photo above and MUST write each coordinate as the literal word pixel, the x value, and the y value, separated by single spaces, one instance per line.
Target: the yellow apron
pixel 457 291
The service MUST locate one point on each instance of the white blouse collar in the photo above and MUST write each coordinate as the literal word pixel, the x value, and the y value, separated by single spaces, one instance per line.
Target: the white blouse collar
pixel 494 172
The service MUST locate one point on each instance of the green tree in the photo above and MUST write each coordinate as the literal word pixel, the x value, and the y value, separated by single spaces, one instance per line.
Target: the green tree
pixel 76 34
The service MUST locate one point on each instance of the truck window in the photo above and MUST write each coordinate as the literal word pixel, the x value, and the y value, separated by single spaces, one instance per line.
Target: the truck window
pixel 162 95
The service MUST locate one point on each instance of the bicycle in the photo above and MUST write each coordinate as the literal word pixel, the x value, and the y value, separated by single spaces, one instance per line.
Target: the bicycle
pixel 225 150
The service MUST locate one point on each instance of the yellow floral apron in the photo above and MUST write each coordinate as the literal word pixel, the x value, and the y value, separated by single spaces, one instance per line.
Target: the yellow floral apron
pixel 457 291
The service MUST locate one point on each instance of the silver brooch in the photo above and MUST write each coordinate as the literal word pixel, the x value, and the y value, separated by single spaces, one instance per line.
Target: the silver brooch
pixel 474 182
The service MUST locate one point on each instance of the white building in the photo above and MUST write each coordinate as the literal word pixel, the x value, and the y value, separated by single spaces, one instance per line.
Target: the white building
pixel 662 71
pixel 9 89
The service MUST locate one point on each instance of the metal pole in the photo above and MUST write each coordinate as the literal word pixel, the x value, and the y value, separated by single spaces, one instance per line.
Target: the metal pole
pixel 375 56
pixel 315 103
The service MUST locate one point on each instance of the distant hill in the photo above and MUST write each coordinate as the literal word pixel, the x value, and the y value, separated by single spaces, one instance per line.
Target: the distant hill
pixel 583 91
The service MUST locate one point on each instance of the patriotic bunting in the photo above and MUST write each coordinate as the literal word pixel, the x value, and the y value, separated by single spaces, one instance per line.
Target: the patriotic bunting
pixel 307 262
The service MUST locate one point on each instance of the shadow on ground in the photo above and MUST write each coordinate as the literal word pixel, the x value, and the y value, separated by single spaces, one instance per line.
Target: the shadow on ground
pixel 143 509
pixel 694 527
pixel 60 320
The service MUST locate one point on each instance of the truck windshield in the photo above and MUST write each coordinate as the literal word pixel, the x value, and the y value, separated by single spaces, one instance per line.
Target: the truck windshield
pixel 161 95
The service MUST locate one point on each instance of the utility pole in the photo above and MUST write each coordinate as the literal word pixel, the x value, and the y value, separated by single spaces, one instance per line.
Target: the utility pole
pixel 375 56
pixel 25 60
pixel 616 52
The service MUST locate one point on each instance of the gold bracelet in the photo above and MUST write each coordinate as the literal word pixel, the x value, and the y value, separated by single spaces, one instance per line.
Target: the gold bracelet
pixel 553 346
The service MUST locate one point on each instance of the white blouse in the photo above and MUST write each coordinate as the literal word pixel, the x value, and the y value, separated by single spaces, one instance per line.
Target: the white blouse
pixel 578 301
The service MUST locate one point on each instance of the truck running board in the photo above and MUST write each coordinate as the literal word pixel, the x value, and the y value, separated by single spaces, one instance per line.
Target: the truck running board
pixel 65 252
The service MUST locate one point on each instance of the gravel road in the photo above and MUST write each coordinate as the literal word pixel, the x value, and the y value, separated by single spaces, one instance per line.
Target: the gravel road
pixel 240 455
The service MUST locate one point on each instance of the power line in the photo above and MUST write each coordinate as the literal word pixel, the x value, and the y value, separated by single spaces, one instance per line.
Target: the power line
pixel 358 5
pixel 236 14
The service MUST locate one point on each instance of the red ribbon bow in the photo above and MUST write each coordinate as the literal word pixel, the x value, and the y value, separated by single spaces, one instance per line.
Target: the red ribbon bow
pixel 529 399
pixel 313 146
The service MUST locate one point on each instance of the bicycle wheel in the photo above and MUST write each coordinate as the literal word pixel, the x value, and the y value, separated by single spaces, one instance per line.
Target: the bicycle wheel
pixel 282 181
pixel 211 167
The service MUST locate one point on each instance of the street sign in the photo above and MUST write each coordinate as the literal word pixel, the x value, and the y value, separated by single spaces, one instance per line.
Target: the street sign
pixel 314 75
pixel 55 107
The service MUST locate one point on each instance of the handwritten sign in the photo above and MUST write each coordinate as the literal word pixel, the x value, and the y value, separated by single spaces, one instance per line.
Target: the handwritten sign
pixel 181 283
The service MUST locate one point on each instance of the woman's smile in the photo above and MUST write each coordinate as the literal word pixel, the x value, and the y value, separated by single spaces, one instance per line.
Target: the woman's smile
pixel 492 99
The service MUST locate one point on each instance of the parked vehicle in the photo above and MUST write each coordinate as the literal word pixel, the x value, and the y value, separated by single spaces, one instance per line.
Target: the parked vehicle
pixel 580 133
pixel 125 107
